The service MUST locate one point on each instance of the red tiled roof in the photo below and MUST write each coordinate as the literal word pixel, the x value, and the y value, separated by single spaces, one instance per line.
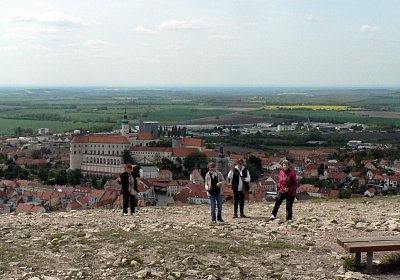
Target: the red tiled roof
pixel 97 193
pixel 159 184
pixel 308 188
pixel 103 203
pixel 74 205
pixel 24 207
pixel 334 193
pixel 197 142
pixel 146 136
pixel 300 152
pixel 36 208
pixel 183 152
pixel 151 149
pixel 211 154
pixel 327 150
pixel 165 171
pixel 119 201
pixel 100 139
pixel 337 176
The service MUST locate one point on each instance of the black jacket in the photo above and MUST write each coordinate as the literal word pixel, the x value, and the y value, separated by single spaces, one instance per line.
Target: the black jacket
pixel 125 181
pixel 236 178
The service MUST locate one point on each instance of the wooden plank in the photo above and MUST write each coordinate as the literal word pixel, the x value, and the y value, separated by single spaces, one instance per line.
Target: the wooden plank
pixel 372 246
pixel 342 241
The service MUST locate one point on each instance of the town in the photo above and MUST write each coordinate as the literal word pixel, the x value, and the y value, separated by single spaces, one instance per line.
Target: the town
pixel 78 170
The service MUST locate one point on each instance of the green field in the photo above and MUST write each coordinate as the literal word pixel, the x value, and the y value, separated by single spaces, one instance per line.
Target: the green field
pixel 65 109
pixel 328 116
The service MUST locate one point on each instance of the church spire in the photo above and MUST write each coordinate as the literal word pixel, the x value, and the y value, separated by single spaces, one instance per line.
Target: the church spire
pixel 125 124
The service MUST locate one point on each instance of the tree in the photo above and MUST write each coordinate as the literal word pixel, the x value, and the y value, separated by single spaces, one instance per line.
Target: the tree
pixel 184 131
pixel 61 177
pixel 36 154
pixel 74 177
pixel 43 174
pixel 18 131
pixel 103 182
pixel 164 143
pixel 195 159
pixel 3 158
pixel 320 169
pixel 126 156
pixel 255 161
pixel 252 168
pixel 345 193
pixel 94 182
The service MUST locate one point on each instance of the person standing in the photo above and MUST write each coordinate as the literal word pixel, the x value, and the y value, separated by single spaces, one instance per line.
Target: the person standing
pixel 239 176
pixel 214 182
pixel 129 188
pixel 286 189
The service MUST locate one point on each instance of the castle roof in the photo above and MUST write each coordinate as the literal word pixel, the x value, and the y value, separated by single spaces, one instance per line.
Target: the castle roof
pixel 100 139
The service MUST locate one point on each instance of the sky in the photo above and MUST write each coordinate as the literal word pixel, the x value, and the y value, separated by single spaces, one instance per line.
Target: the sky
pixel 200 43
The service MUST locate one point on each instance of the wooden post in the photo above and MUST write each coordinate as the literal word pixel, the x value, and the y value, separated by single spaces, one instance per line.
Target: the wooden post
pixel 358 258
pixel 369 260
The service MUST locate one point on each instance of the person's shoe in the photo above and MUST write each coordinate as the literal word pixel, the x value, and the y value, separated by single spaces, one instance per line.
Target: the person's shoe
pixel 221 221
pixel 125 214
pixel 235 216
pixel 213 221
pixel 243 216
pixel 272 218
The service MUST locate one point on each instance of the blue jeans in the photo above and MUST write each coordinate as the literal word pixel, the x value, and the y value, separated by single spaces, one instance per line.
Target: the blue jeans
pixel 216 201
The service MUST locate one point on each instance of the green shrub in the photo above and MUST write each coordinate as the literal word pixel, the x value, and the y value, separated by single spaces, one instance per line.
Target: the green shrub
pixel 390 262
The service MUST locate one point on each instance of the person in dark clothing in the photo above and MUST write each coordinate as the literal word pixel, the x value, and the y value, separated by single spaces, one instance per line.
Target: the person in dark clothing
pixel 129 188
pixel 240 179
pixel 286 189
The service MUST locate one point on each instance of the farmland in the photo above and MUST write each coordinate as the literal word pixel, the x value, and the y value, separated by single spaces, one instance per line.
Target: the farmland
pixel 313 107
pixel 65 109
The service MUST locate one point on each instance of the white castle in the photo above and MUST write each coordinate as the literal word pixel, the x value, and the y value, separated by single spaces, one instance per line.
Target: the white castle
pixel 102 154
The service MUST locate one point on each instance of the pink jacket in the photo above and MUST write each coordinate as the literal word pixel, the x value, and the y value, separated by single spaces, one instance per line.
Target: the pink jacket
pixel 288 180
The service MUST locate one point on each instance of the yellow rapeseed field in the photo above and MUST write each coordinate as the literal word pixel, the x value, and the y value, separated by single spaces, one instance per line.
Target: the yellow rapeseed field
pixel 313 107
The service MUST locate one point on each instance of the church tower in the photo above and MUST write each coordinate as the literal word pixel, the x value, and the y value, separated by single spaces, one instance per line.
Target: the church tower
pixel 222 162
pixel 125 125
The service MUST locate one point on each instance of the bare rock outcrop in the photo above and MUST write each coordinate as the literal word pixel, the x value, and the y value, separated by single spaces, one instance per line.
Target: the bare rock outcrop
pixel 181 243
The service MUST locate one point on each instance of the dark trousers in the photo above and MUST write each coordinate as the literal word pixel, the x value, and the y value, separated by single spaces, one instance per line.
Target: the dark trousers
pixel 238 200
pixel 289 205
pixel 129 199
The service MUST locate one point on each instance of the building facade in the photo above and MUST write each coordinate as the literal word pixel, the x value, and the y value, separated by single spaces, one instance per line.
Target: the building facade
pixel 98 154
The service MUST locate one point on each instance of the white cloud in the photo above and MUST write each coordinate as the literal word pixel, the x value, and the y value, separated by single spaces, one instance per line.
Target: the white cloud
pixel 29 33
pixel 143 30
pixel 24 47
pixel 174 24
pixel 252 23
pixel 311 17
pixel 368 28
pixel 48 18
pixel 221 37
pixel 96 43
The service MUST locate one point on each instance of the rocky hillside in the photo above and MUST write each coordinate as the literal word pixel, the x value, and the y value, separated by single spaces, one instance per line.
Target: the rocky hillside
pixel 181 243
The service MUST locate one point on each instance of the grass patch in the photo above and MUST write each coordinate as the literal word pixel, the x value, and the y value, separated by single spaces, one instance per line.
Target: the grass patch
pixel 281 245
pixel 390 263
pixel 349 263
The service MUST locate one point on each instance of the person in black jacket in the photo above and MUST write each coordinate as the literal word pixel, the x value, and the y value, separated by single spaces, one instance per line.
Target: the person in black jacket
pixel 129 188
pixel 240 179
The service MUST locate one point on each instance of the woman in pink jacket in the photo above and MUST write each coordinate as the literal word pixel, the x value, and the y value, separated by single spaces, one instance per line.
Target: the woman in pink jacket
pixel 286 190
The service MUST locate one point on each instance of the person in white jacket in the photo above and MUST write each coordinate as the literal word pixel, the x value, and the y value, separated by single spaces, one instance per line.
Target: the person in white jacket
pixel 214 183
